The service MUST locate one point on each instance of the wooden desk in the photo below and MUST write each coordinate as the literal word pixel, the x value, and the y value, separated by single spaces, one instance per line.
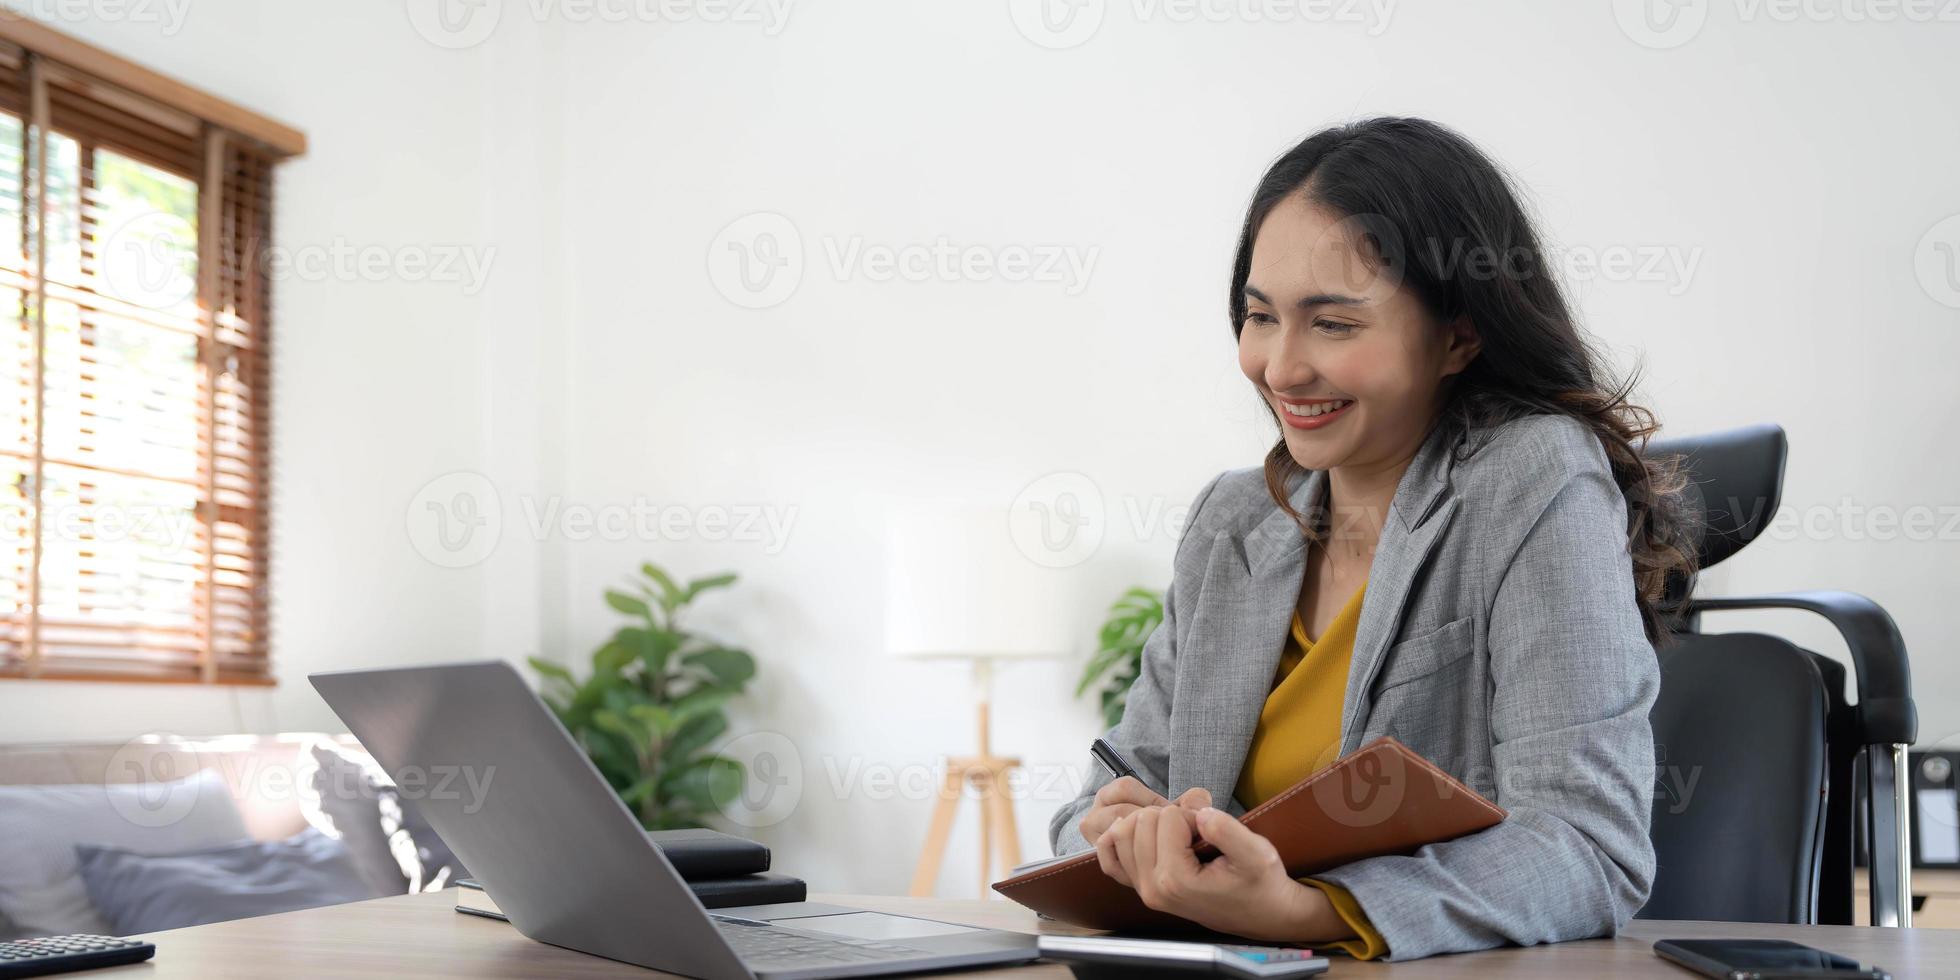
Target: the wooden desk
pixel 423 935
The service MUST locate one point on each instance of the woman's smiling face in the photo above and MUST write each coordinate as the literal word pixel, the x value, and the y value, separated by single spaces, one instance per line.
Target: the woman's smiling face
pixel 1351 362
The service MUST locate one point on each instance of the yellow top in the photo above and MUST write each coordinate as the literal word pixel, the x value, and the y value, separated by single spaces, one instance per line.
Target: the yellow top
pixel 1299 734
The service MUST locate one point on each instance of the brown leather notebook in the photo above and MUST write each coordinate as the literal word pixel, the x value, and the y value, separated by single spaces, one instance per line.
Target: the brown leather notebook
pixel 1381 799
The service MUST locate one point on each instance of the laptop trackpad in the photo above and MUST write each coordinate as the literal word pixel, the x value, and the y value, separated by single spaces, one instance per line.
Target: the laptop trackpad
pixel 874 925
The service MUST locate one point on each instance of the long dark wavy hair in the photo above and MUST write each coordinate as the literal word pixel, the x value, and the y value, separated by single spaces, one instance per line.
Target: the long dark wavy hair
pixel 1434 212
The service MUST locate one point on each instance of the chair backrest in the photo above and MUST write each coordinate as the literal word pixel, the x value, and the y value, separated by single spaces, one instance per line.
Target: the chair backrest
pixel 1741 772
pixel 1735 484
pixel 1742 765
pixel 1775 764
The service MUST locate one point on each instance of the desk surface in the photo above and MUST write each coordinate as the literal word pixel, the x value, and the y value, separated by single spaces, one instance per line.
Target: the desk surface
pixel 423 935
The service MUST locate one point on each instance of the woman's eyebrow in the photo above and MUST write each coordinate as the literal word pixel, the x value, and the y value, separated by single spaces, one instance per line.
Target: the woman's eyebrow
pixel 1307 302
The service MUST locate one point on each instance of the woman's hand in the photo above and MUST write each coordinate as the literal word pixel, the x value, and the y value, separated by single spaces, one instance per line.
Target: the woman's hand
pixel 1244 891
pixel 1121 797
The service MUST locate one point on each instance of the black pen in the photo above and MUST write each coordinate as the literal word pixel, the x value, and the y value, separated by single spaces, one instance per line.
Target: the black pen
pixel 1113 760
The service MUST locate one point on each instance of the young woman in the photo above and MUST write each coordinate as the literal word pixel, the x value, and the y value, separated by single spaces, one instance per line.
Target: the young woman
pixel 1455 542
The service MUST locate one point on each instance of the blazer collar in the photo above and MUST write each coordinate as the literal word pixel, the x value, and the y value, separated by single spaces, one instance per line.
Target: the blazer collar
pixel 1422 488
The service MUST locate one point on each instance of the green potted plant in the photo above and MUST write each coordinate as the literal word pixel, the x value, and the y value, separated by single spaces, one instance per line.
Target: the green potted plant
pixel 653 703
pixel 1119 654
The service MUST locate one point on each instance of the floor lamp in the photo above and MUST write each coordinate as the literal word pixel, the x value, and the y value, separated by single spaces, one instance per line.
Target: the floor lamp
pixel 957 588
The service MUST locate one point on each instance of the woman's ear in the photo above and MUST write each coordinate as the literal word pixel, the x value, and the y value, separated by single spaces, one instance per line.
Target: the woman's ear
pixel 1463 343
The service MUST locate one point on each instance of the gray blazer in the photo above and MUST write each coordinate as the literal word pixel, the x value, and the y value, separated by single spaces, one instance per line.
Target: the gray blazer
pixel 1499 637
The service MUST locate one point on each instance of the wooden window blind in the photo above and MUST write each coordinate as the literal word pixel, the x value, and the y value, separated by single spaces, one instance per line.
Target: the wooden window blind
pixel 134 376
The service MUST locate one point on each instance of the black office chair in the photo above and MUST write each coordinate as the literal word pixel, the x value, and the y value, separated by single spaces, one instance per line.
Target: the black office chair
pixel 1760 759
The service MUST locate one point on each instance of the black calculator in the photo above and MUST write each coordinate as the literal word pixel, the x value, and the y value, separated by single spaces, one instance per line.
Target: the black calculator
pixel 1138 957
pixel 60 954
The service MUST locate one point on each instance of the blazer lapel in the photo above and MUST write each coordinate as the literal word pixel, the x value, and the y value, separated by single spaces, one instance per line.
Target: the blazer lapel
pixel 1256 613
pixel 1417 518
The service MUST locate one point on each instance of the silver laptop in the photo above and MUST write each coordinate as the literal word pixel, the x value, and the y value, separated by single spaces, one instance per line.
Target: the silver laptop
pixel 523 808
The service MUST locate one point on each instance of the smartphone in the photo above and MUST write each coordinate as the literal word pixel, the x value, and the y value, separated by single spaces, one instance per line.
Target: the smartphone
pixel 1761 959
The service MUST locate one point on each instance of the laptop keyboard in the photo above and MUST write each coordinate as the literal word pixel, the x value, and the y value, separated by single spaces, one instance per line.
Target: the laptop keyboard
pixel 772 945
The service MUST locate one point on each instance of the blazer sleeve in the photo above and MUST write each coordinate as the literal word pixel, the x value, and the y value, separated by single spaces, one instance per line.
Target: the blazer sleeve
pixel 1573 678
pixel 1144 733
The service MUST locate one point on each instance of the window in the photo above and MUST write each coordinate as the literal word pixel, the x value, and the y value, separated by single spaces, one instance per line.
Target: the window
pixel 134 434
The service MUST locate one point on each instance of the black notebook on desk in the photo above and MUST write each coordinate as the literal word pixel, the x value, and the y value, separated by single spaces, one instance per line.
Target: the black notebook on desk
pixel 714 893
pixel 699 853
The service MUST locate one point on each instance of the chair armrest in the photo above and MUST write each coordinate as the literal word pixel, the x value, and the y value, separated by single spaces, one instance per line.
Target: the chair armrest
pixel 1886 714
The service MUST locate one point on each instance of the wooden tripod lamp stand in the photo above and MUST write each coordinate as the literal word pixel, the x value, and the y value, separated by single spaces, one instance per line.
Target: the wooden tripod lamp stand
pixel 957 588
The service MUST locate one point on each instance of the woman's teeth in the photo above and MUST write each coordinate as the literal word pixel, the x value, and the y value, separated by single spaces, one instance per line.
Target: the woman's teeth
pixel 1319 408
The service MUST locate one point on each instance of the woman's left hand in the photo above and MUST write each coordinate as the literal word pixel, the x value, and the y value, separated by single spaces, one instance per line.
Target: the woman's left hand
pixel 1244 891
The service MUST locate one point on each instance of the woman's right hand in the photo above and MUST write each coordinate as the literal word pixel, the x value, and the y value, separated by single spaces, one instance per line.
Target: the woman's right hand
pixel 1119 798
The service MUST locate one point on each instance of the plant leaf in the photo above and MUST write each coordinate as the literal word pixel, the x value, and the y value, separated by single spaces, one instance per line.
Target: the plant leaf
pixel 630 605
pixel 651 646
pixel 676 817
pixel 701 585
pixel 707 782
pixel 559 696
pixel 670 593
pixel 551 668
pixel 731 668
pixel 609 660
pixel 658 719
pixel 691 737
pixel 700 701
pixel 618 723
pixel 613 756
pixel 637 793
pixel 1097 666
pixel 1125 630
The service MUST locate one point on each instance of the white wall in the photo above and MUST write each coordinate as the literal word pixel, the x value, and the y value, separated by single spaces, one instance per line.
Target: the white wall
pixel 1794 167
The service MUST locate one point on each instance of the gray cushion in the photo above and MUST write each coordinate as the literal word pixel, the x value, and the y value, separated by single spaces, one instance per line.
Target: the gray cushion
pixel 138 893
pixel 40 826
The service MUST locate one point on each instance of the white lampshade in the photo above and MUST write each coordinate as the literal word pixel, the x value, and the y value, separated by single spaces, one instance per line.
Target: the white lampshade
pixel 956 585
